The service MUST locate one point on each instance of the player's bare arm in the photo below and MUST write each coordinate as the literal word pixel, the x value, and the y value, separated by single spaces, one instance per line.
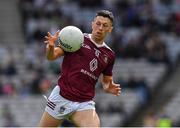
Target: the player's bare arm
pixel 109 86
pixel 52 52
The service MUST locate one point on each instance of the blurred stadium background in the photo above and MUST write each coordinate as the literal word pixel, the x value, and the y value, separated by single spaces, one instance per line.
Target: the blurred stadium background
pixel 146 39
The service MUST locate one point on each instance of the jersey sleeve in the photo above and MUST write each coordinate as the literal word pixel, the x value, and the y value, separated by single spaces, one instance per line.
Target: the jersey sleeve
pixel 109 68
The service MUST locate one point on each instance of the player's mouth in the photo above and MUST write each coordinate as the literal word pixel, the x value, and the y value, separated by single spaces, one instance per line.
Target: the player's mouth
pixel 98 33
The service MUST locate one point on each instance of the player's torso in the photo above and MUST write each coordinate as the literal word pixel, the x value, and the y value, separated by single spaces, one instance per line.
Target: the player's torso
pixel 89 61
pixel 81 69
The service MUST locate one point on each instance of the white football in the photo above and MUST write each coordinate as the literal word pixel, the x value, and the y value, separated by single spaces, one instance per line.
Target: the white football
pixel 70 38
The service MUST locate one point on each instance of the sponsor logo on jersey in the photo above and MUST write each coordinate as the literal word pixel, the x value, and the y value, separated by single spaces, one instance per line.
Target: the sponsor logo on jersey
pixel 89 74
pixel 86 46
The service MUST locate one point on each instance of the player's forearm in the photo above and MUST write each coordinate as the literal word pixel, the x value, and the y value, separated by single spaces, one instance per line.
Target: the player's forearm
pixel 106 85
pixel 50 52
pixel 106 81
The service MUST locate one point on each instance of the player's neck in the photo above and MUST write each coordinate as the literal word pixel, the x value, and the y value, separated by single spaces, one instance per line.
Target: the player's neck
pixel 99 42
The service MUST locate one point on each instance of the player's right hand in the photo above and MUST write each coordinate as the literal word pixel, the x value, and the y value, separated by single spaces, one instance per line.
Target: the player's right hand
pixel 51 39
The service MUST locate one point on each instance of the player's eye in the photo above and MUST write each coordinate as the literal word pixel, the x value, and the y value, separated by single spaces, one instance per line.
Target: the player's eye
pixel 98 23
pixel 105 26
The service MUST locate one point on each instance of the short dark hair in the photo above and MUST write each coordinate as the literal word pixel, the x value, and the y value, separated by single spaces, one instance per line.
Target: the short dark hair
pixel 106 13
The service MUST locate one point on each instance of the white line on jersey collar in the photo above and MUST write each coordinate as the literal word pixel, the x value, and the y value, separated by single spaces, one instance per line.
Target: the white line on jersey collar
pixel 98 45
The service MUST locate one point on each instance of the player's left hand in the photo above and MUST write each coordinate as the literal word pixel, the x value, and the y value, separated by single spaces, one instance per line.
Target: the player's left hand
pixel 112 88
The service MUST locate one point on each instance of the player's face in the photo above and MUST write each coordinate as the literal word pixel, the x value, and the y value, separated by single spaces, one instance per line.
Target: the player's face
pixel 101 26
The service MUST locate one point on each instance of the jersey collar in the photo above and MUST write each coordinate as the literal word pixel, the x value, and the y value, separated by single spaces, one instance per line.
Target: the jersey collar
pixel 97 45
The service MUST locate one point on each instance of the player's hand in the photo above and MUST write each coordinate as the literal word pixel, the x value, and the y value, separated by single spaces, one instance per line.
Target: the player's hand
pixel 112 88
pixel 51 39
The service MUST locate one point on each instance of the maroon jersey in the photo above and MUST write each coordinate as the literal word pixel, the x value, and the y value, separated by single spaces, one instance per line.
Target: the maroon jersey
pixel 81 69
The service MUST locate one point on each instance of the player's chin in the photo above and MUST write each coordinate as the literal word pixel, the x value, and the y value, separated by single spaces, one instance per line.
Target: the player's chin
pixel 99 37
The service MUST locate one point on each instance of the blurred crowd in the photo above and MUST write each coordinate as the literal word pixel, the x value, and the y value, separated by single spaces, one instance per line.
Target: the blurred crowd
pixel 137 31
pixel 141 29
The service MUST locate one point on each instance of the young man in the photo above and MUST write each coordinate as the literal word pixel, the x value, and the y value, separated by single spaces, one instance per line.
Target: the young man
pixel 73 96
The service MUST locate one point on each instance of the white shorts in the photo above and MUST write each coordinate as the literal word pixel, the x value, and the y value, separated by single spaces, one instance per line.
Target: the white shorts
pixel 61 108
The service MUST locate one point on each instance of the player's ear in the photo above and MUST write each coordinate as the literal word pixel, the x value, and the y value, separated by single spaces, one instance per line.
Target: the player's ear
pixel 92 24
pixel 111 28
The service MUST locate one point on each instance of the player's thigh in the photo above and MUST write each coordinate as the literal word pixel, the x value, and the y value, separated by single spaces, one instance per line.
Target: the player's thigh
pixel 86 118
pixel 49 121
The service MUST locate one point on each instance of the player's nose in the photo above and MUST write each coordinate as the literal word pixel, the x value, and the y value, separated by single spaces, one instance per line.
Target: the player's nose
pixel 101 27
